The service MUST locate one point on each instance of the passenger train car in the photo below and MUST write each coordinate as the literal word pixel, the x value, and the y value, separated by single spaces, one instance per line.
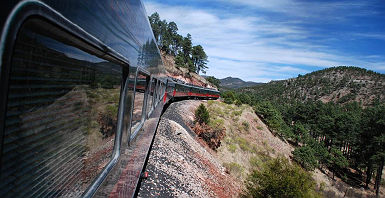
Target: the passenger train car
pixel 83 88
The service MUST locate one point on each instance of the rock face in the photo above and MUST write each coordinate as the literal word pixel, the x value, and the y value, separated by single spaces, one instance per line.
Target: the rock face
pixel 179 166
pixel 183 73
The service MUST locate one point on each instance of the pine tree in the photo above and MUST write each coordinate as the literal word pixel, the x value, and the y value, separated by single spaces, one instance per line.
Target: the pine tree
pixel 199 58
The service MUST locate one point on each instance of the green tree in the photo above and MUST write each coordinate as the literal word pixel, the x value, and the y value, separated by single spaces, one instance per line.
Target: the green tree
pixel 213 80
pixel 336 160
pixel 229 97
pixel 280 178
pixel 187 46
pixel 306 157
pixel 202 115
pixel 155 25
pixel 177 40
pixel 179 60
pixel 244 98
pixel 183 58
pixel 373 146
pixel 199 59
pixel 273 118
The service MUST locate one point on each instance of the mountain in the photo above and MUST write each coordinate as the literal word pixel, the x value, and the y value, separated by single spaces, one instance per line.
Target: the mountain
pixel 235 83
pixel 337 84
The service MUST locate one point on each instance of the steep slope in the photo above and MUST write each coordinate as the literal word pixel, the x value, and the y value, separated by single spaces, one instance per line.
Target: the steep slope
pixel 179 166
pixel 183 73
pixel 235 83
pixel 182 165
pixel 337 84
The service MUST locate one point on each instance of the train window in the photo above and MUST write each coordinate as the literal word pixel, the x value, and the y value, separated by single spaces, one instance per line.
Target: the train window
pixel 139 98
pixel 157 92
pixel 61 115
pixel 164 90
pixel 161 90
pixel 169 88
pixel 150 97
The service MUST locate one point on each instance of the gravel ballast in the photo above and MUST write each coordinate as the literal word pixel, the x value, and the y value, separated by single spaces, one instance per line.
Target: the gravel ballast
pixel 179 166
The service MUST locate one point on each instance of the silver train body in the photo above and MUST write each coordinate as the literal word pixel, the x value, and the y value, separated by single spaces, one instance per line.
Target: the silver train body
pixel 83 88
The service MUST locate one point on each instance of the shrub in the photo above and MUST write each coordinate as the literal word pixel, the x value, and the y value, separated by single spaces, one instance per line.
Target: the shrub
pixel 202 115
pixel 236 113
pixel 232 148
pixel 216 111
pixel 246 125
pixel 210 102
pixel 112 110
pixel 256 162
pixel 234 168
pixel 279 178
pixel 243 144
pixel 228 101
pixel 322 186
pixel 212 136
pixel 238 103
pixel 217 123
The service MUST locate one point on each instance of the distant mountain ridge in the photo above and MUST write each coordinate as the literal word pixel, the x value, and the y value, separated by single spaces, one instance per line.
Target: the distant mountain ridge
pixel 341 85
pixel 235 83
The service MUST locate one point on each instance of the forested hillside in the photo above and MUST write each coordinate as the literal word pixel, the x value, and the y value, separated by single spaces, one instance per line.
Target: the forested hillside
pixel 334 117
pixel 337 84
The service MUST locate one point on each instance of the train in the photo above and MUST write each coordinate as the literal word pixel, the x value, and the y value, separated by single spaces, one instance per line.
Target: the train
pixel 83 89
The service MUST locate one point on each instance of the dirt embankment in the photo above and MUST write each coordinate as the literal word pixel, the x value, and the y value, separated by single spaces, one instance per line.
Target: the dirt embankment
pixel 182 164
pixel 183 73
pixel 249 143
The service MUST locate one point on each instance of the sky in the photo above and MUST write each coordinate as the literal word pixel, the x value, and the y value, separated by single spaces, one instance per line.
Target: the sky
pixel 264 40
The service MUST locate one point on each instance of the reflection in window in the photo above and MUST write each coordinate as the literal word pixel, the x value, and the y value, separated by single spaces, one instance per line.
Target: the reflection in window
pixel 61 117
pixel 160 90
pixel 163 91
pixel 157 92
pixel 140 89
pixel 154 89
pixel 151 96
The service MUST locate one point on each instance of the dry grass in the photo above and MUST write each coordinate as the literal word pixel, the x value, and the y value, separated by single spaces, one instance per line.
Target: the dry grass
pixel 246 145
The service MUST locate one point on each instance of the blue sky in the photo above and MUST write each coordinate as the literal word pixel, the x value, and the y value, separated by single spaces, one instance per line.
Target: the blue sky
pixel 263 40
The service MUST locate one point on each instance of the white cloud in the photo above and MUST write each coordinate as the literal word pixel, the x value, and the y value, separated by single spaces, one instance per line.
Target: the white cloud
pixel 377 36
pixel 322 10
pixel 253 48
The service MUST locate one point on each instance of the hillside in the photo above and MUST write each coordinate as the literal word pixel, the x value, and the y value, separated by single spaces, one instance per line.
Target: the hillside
pixel 337 84
pixel 183 73
pixel 235 83
pixel 181 164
